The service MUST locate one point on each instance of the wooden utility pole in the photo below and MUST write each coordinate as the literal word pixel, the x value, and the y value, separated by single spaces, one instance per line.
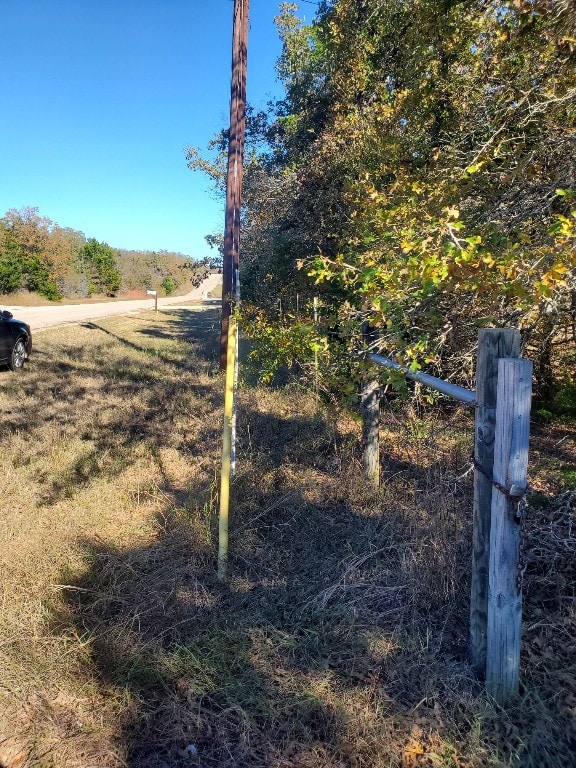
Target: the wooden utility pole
pixel 231 273
pixel 235 167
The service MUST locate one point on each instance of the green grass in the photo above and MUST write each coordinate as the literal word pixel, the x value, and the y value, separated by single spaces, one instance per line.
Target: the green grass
pixel 341 636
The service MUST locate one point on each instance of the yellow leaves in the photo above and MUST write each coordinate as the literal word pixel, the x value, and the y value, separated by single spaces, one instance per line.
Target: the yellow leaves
pixel 558 270
pixel 451 212
pixel 508 271
pixel 402 95
pixel 384 111
pixel 563 228
pixel 474 168
pixel 554 277
pixel 412 751
pixel 407 246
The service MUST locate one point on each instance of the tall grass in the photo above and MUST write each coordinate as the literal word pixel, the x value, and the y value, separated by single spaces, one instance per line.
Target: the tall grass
pixel 341 636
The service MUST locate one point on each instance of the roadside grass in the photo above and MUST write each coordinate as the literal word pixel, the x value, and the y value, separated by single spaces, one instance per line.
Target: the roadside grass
pixel 33 299
pixel 216 292
pixel 340 640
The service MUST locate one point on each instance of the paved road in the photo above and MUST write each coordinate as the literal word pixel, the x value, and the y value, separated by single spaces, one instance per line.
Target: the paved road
pixel 44 317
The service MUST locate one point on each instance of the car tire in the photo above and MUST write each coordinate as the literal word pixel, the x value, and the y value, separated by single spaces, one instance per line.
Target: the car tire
pixel 18 355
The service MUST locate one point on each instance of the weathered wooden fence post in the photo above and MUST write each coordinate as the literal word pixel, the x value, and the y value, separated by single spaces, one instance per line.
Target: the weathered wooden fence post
pixel 315 305
pixel 502 402
pixel 493 343
pixel 370 410
pixel 510 479
pixel 370 406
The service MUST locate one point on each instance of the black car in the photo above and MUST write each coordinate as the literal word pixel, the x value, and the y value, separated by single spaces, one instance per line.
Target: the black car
pixel 15 341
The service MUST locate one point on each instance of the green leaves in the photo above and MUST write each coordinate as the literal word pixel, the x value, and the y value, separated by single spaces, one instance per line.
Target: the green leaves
pixel 410 182
pixel 99 263
pixel 11 268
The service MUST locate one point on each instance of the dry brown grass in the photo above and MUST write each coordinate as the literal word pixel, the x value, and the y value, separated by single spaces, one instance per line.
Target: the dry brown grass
pixel 341 637
pixel 32 299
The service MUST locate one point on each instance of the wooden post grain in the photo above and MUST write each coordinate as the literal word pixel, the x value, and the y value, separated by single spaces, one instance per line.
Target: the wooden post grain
pixel 370 410
pixel 493 343
pixel 505 580
pixel 370 406
pixel 315 348
pixel 231 251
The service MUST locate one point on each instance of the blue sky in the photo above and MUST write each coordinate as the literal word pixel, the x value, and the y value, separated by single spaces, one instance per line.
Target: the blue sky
pixel 99 100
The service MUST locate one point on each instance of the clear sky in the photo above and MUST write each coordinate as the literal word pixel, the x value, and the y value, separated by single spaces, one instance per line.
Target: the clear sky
pixel 99 100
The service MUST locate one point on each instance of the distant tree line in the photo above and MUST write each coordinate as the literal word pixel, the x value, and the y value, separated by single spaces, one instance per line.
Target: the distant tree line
pixel 36 254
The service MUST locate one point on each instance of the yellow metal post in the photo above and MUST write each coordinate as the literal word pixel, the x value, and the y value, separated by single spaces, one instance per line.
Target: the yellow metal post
pixel 227 449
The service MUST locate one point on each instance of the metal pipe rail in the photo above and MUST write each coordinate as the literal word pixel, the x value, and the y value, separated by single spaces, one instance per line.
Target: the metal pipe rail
pixel 501 436
pixel 452 390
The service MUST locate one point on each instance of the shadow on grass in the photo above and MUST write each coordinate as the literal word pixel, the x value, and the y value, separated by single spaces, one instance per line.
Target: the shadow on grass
pixel 341 629
pixel 245 672
pixel 324 648
pixel 120 405
pixel 343 625
pixel 197 327
pixel 292 662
